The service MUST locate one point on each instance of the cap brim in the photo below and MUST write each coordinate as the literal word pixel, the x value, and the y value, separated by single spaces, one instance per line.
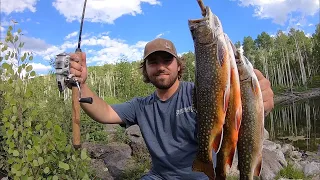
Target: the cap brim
pixel 160 51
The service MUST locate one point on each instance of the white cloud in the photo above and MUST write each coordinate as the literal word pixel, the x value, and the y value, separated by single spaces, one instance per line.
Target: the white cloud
pixel 162 34
pixel 101 10
pixel 280 10
pixel 113 50
pixel 159 35
pixel 40 67
pixel 100 49
pixel 308 35
pixel 73 34
pixel 34 44
pixel 9 6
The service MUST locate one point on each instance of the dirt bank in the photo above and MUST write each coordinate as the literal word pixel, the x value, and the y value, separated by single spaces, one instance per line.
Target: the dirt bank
pixel 283 98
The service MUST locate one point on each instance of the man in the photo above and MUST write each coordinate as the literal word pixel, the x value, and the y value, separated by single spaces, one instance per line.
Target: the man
pixel 166 118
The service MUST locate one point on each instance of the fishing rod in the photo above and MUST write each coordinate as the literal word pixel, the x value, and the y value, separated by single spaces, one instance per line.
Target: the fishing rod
pixel 64 79
pixel 202 7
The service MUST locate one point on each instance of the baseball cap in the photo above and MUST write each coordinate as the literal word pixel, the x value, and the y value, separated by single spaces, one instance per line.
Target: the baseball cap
pixel 159 44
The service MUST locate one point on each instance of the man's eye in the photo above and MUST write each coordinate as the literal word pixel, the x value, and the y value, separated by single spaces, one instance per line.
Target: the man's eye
pixel 168 58
pixel 151 62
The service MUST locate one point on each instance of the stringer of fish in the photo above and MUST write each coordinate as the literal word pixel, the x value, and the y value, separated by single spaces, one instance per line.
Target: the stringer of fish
pixel 212 87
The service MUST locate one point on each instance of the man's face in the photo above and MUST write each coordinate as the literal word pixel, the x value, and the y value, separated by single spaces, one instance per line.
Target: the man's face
pixel 162 69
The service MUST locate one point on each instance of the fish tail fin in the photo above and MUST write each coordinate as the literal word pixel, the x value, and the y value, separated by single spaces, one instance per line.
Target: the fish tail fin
pixel 206 168
pixel 258 167
pixel 217 141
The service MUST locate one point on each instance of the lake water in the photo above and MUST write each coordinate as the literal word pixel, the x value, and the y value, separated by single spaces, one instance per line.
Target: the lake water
pixel 296 123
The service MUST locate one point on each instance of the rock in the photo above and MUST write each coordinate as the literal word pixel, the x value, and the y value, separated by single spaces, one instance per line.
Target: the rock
pixel 304 163
pixel 266 134
pixel 297 165
pixel 281 158
pixel 312 156
pixel 98 151
pixel 273 162
pixel 111 129
pixel 116 157
pixel 287 149
pixel 311 169
pixel 137 143
pixel 100 169
pixel 233 171
pixel 317 177
pixel 295 155
pixel 270 145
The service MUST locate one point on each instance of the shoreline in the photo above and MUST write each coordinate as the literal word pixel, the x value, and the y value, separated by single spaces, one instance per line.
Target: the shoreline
pixel 286 97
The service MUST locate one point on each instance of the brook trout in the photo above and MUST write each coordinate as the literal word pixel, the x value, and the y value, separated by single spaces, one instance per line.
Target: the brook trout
pixel 212 87
pixel 233 119
pixel 251 131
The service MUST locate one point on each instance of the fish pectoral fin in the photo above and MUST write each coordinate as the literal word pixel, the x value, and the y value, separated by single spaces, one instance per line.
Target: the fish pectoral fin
pixel 217 142
pixel 258 167
pixel 226 97
pixel 206 168
pixel 255 85
pixel 238 118
pixel 231 156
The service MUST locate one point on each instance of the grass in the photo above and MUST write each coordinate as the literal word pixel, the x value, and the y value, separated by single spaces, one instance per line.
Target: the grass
pixel 141 167
pixel 120 135
pixel 290 172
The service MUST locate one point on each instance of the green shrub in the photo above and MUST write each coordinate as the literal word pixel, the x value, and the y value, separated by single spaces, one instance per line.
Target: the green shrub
pixel 36 146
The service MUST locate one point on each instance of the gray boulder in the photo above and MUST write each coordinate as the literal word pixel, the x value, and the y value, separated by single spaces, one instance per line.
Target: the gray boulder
pixel 113 158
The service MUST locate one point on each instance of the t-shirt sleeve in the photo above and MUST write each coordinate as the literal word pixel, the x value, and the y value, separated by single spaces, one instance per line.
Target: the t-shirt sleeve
pixel 127 111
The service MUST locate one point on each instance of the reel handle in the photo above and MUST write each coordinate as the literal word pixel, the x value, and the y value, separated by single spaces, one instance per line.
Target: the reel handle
pixel 86 100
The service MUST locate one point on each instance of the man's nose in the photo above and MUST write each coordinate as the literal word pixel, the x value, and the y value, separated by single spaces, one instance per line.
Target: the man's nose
pixel 161 66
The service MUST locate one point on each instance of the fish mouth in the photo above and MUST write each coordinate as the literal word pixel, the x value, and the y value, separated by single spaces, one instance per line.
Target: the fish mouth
pixel 209 21
pixel 193 23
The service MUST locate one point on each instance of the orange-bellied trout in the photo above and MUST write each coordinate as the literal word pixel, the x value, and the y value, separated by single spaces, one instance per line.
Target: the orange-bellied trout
pixel 212 87
pixel 233 120
pixel 251 131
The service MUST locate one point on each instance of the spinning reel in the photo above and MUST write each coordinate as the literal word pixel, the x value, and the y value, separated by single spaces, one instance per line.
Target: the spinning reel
pixel 64 78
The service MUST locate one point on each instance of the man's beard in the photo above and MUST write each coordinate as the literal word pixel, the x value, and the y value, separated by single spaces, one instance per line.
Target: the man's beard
pixel 164 84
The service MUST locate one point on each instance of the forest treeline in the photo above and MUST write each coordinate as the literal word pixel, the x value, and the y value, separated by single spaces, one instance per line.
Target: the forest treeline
pixel 289 60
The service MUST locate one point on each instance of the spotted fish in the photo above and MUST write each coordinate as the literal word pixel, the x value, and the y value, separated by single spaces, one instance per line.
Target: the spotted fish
pixel 212 87
pixel 233 120
pixel 251 131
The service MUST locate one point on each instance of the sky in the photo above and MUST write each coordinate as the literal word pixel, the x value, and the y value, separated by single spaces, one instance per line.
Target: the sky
pixel 117 29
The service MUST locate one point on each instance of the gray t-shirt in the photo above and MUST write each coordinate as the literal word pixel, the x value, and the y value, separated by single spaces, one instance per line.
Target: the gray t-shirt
pixel 169 130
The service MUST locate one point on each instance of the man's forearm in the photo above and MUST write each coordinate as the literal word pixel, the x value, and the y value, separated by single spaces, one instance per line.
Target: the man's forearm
pixel 99 110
